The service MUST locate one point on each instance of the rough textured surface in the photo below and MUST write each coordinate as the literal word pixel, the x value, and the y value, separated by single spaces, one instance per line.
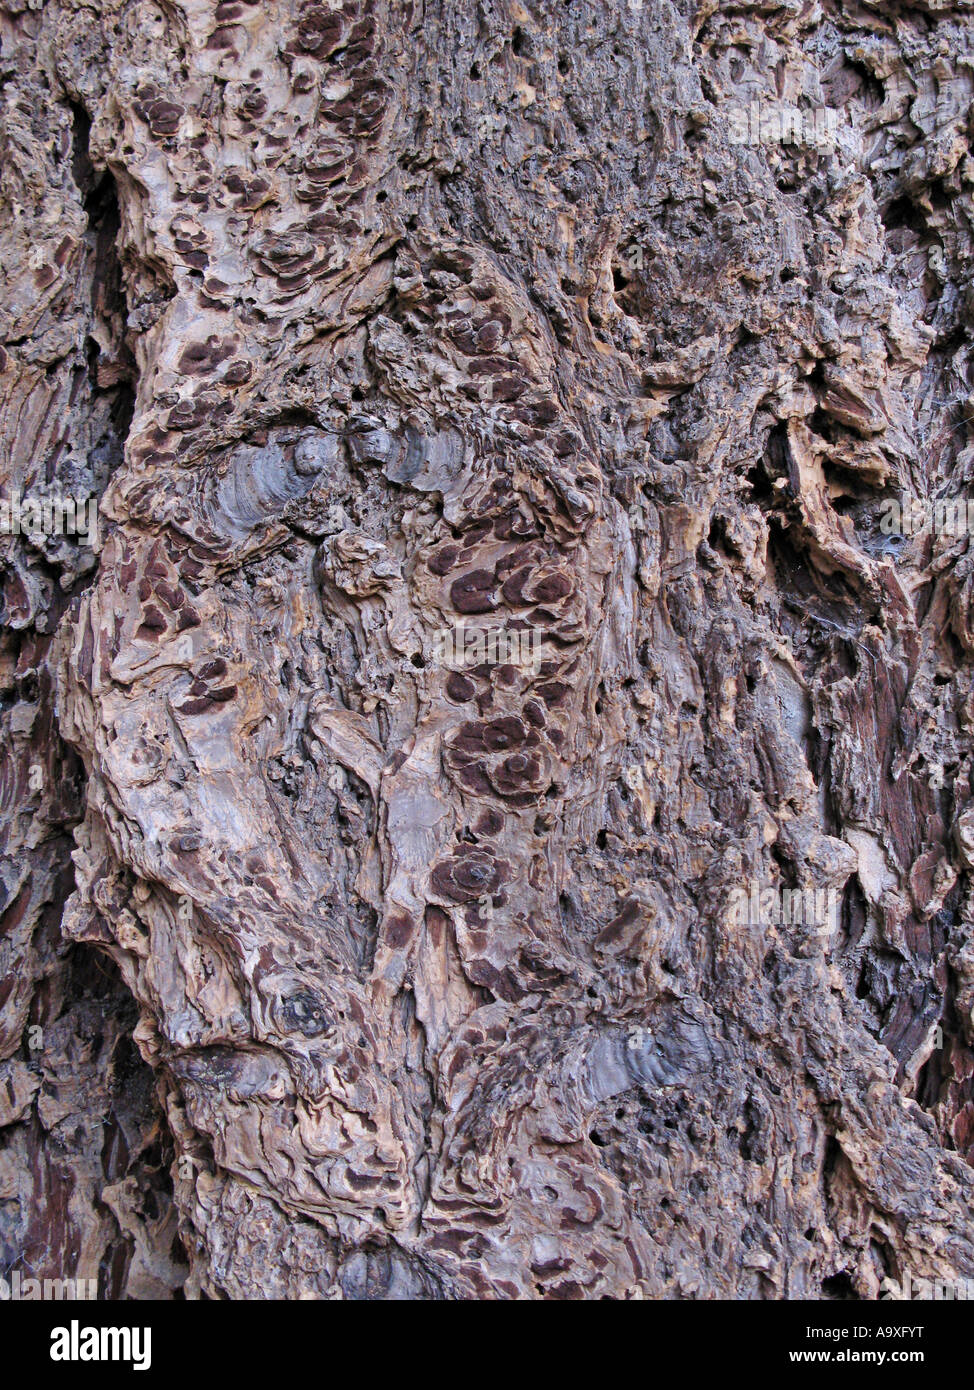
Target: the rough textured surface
pixel 364 319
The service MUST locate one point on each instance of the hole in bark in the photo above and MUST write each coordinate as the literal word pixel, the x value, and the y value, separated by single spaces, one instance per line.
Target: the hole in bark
pixel 761 489
pixel 902 212
pixel 854 915
pixel 111 378
pixel 839 1286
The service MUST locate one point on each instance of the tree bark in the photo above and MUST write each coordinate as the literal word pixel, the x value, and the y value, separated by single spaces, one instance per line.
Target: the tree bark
pixel 490 813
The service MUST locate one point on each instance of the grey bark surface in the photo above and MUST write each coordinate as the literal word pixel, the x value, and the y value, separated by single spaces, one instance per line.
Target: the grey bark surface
pixel 327 971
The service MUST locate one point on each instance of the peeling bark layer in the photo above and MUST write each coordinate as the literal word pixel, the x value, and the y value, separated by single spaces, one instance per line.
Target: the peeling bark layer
pixel 368 322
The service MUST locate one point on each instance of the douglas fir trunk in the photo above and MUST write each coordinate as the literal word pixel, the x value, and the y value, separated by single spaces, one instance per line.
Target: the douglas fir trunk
pixel 486 803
